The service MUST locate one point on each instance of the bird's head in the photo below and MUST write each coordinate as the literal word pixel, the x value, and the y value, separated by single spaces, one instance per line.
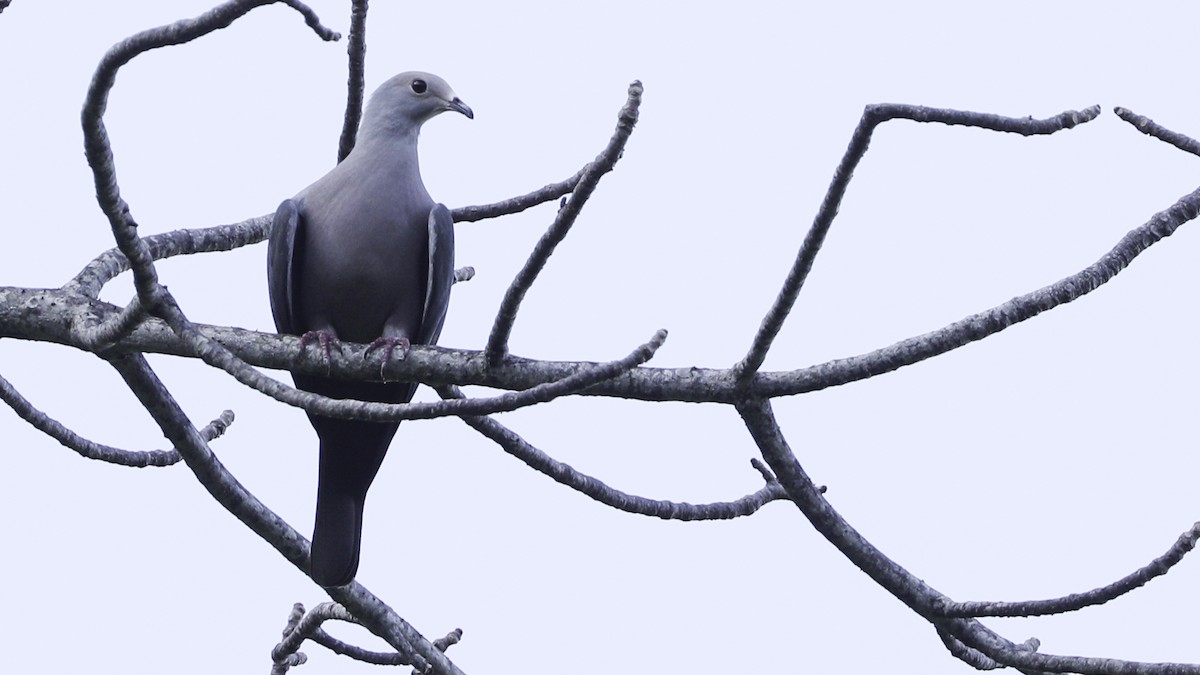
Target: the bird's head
pixel 410 99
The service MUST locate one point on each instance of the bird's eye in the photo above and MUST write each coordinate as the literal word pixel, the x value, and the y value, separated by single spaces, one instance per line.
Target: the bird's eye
pixel 419 86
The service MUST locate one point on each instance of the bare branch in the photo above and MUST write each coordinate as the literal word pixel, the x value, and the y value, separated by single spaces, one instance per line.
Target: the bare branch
pixel 303 626
pixel 506 316
pixel 357 50
pixel 464 274
pixel 978 326
pixel 115 328
pixel 1070 603
pixel 873 116
pixel 1150 128
pixel 466 214
pixel 108 265
pixel 912 591
pixel 602 492
pixel 96 143
pixel 975 635
pixel 92 450
pixel 969 656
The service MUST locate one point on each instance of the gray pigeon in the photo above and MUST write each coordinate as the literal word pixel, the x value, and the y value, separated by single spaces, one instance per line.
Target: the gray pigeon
pixel 364 255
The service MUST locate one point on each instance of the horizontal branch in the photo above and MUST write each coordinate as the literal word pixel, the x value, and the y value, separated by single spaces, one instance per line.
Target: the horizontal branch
pixel 507 207
pixel 52 316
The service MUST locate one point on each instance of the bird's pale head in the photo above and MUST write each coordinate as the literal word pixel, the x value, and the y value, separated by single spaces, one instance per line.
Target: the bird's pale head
pixel 410 99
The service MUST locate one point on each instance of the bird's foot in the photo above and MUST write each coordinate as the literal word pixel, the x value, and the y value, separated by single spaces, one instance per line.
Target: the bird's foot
pixel 327 341
pixel 388 344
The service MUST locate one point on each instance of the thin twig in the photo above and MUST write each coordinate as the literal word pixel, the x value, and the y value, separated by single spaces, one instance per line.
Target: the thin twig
pixel 1070 603
pixel 565 474
pixel 302 625
pixel 1151 128
pixel 356 48
pixel 873 116
pixel 467 214
pixel 464 274
pixel 98 451
pixel 506 316
pixel 969 656
pixel 114 329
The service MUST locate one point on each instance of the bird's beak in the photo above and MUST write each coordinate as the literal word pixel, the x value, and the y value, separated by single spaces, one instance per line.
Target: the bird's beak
pixel 457 105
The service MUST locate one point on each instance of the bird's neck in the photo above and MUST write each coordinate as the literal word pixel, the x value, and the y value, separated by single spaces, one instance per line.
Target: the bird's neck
pixel 390 147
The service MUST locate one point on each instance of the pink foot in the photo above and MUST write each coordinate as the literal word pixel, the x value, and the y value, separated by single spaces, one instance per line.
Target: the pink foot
pixel 326 340
pixel 389 345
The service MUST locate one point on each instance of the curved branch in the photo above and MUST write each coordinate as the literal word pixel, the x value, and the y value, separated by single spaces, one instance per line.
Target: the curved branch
pixel 98 336
pixel 873 116
pixel 565 474
pixel 972 657
pixel 303 626
pixel 96 143
pixel 506 316
pixel 1070 603
pixel 98 451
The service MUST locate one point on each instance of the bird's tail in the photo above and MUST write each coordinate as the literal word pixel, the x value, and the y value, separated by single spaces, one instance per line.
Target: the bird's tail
pixel 350 458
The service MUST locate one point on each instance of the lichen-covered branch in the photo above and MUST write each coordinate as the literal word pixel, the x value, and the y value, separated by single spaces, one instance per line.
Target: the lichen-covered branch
pixel 303 626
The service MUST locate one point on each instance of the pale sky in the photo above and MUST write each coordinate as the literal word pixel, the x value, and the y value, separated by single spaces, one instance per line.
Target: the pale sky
pixel 1052 458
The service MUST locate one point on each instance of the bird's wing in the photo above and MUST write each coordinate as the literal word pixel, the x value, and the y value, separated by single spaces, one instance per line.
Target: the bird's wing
pixel 441 275
pixel 283 252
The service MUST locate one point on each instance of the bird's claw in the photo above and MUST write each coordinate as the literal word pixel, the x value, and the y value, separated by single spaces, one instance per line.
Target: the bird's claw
pixel 327 341
pixel 388 344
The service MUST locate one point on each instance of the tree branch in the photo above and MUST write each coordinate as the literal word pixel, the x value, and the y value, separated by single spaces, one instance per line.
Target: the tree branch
pixel 1070 603
pixel 466 214
pixel 357 50
pixel 92 450
pixel 303 626
pixel 565 474
pixel 506 316
pixel 873 116
pixel 1151 128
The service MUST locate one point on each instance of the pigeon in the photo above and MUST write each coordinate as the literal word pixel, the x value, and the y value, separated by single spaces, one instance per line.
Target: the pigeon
pixel 363 255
